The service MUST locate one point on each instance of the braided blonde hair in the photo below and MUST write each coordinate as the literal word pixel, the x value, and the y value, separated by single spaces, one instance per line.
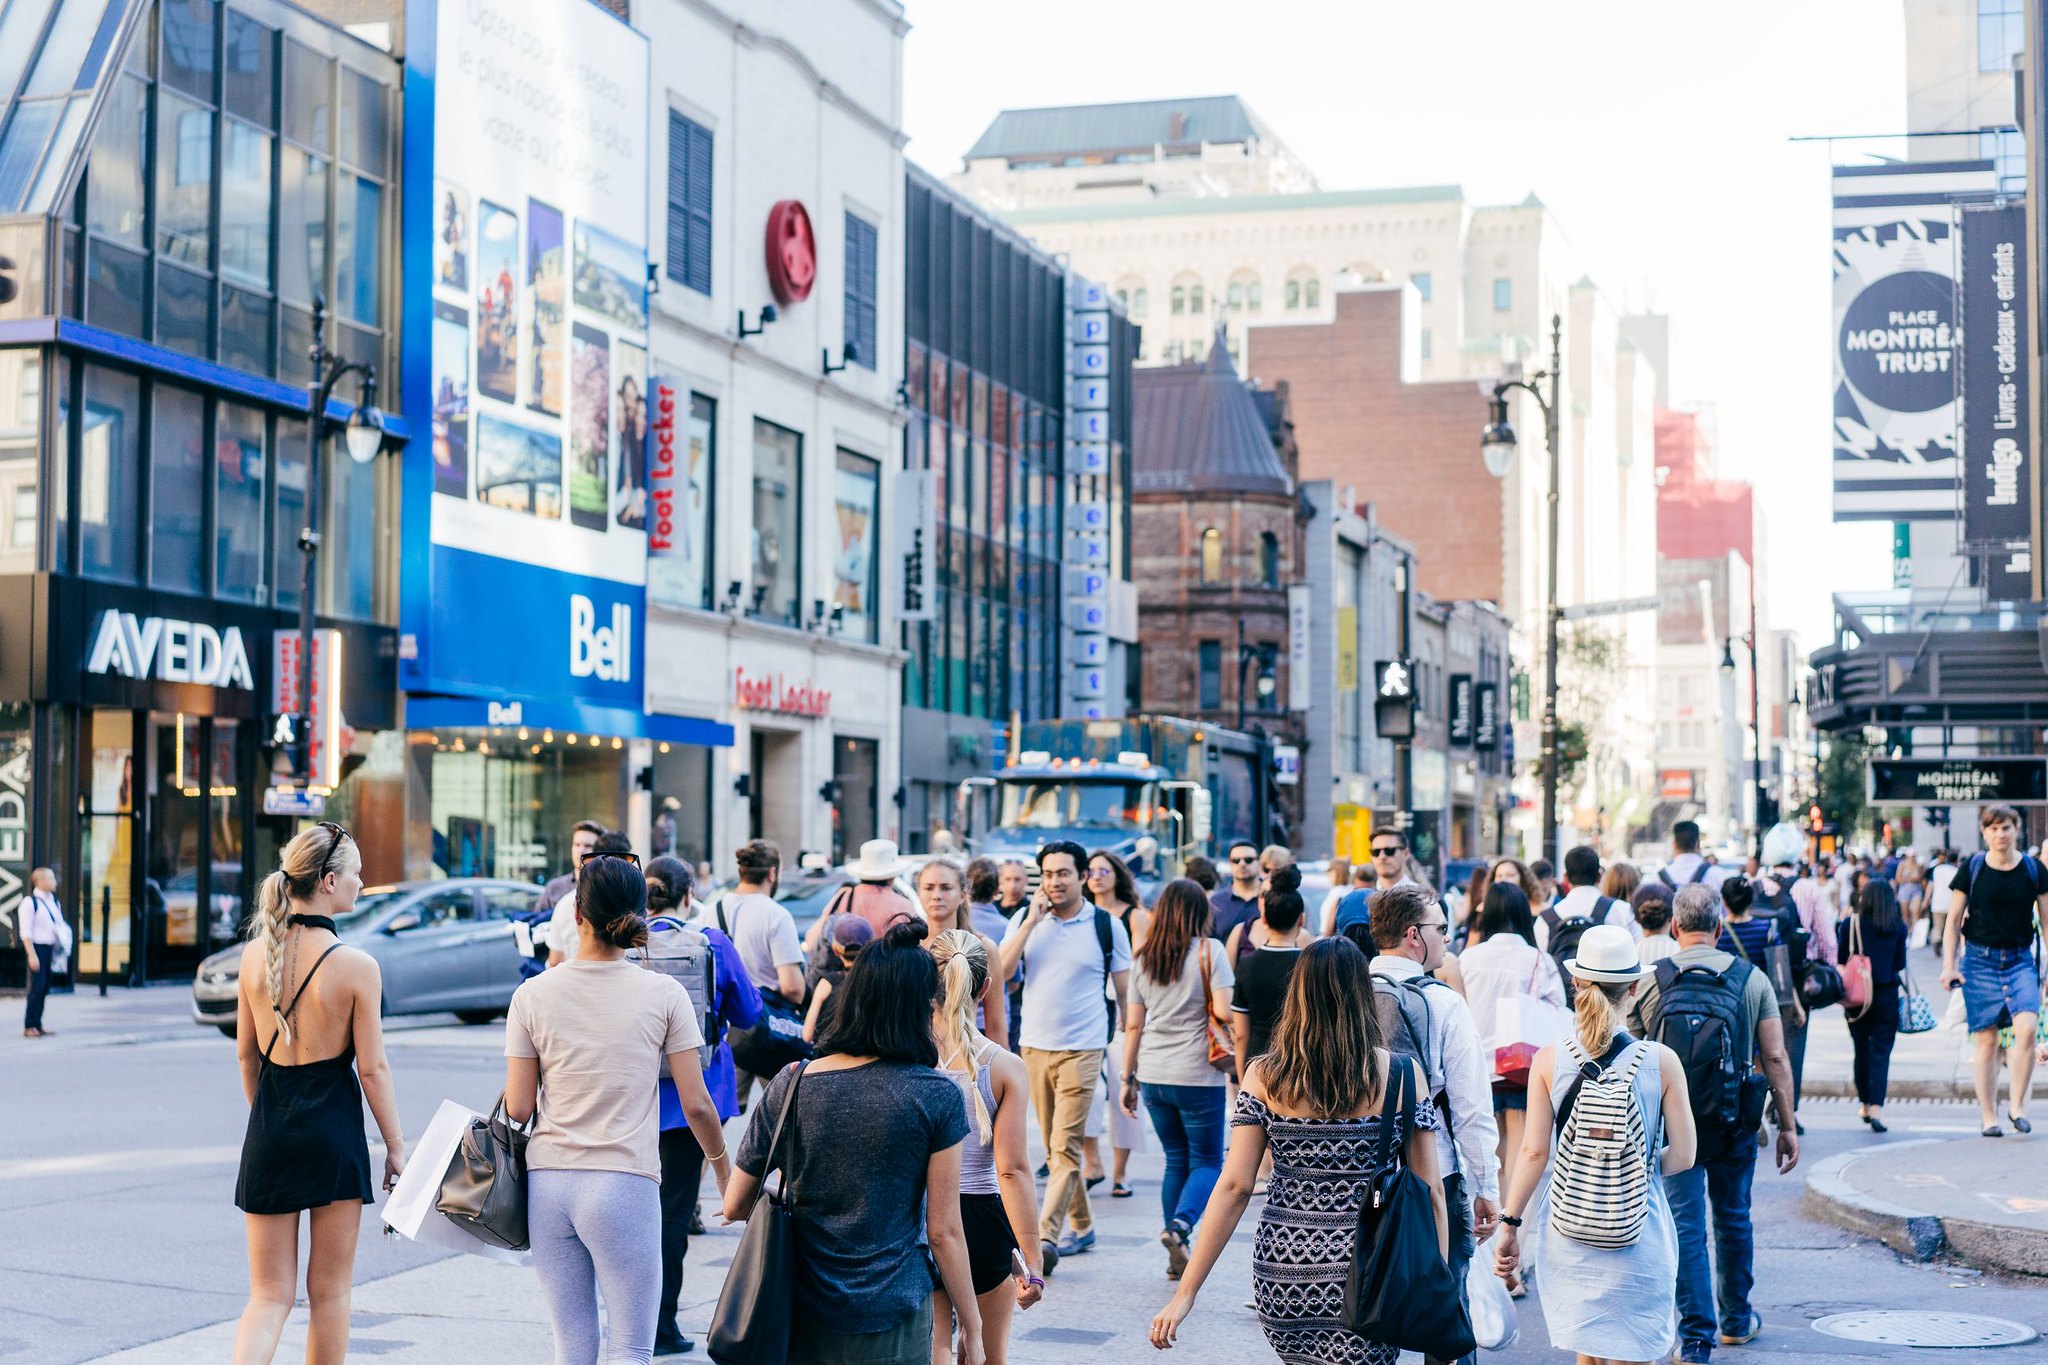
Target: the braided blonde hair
pixel 296 878
pixel 963 975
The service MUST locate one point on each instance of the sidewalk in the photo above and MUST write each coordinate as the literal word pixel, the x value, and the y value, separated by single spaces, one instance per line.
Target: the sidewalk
pixel 1925 1066
pixel 1976 1200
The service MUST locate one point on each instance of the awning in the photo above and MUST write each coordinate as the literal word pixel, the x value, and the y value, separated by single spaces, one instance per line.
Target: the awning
pixel 571 717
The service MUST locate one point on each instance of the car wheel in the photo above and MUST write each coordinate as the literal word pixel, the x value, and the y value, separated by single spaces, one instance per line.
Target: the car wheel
pixel 476 1016
pixel 226 1030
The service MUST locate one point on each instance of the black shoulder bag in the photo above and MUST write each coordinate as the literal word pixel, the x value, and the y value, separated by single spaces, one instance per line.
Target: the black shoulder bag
pixel 1398 1291
pixel 775 1039
pixel 750 1326
pixel 483 1191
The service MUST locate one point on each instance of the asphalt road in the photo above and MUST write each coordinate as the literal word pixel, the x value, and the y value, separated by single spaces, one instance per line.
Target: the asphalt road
pixel 117 1227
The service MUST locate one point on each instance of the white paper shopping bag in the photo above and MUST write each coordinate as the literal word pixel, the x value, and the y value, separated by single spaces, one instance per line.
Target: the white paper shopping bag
pixel 410 1210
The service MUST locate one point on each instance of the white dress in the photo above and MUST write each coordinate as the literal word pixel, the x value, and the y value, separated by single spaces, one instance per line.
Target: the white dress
pixel 1623 1304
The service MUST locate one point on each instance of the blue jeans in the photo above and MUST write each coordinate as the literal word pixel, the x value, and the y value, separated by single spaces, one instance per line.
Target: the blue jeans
pixel 1726 1184
pixel 1189 1121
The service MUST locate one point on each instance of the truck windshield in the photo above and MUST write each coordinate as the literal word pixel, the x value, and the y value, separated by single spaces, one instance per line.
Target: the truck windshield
pixel 1068 804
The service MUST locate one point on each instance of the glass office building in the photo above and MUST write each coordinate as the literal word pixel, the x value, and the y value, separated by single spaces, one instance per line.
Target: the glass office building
pixel 986 392
pixel 180 181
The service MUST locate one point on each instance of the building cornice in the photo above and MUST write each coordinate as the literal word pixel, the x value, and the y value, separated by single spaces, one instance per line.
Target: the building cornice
pixel 748 36
pixel 740 628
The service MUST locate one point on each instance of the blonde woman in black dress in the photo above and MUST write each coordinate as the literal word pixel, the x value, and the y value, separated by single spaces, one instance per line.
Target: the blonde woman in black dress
pixel 306 1027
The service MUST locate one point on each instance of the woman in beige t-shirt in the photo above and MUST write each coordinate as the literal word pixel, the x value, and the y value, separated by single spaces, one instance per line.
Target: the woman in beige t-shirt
pixel 585 1041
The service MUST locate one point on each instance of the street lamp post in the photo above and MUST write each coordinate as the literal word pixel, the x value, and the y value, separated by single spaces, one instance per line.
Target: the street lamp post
pixel 1497 447
pixel 1756 733
pixel 364 436
pixel 1263 655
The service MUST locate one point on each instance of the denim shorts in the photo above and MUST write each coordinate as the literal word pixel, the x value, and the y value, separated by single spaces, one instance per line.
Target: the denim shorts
pixel 1999 985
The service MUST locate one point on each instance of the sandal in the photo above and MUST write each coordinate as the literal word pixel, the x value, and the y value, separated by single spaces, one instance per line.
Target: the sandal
pixel 1094 1180
pixel 1120 1191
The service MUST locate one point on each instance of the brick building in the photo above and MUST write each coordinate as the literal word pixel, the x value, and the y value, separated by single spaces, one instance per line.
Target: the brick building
pixel 1215 542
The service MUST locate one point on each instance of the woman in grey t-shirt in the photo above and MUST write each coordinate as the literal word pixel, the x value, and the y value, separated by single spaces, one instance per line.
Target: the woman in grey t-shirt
pixel 1180 985
pixel 873 1170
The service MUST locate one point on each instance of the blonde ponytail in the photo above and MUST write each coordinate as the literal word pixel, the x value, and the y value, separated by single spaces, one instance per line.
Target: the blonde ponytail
pixel 963 974
pixel 1597 1013
pixel 272 905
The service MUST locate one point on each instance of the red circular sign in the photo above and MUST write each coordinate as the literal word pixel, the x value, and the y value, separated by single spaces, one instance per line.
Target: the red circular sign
pixel 792 252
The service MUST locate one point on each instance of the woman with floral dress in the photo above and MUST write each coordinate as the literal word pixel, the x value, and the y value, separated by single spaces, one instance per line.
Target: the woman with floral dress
pixel 1316 1100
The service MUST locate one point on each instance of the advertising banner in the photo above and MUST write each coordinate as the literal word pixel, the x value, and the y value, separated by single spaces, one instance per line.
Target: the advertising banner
pixel 1896 336
pixel 1461 702
pixel 1997 454
pixel 1486 717
pixel 1958 781
pixel 537 342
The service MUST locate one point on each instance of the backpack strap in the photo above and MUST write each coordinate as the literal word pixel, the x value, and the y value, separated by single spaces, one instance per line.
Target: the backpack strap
pixel 1397 1111
pixel 1602 908
pixel 1106 940
pixel 1699 874
pixel 1664 876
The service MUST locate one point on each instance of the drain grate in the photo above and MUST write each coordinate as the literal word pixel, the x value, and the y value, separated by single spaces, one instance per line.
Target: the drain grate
pixel 1925 1329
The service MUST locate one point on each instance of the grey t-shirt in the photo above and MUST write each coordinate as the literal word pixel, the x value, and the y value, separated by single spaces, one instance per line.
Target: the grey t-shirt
pixel 1174 1048
pixel 857 1154
pixel 1759 1001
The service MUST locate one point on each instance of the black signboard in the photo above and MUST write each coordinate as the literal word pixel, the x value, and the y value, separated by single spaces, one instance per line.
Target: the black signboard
pixel 1997 447
pixel 1461 710
pixel 1486 717
pixel 1958 781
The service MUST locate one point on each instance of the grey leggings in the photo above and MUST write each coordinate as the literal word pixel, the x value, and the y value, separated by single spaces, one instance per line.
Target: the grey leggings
pixel 595 1231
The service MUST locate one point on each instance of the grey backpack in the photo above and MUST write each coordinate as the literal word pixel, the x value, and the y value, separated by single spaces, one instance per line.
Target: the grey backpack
pixel 682 951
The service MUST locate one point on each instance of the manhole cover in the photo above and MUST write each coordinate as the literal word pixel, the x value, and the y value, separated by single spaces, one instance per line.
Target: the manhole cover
pixel 1925 1329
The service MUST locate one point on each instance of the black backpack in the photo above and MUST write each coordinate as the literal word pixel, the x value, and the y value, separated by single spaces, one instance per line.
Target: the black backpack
pixel 1564 939
pixel 1699 1017
pixel 1699 874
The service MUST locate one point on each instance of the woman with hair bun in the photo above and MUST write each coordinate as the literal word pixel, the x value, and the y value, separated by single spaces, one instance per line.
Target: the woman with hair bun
pixel 298 1028
pixel 998 1201
pixel 585 1044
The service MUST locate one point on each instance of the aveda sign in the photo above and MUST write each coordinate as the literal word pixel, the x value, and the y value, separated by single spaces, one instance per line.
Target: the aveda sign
pixel 169 651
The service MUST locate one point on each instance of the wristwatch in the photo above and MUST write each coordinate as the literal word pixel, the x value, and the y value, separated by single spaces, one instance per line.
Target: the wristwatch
pixel 1511 1220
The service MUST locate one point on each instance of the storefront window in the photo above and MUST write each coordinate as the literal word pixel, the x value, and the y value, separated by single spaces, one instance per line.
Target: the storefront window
pixel 177 495
pixel 504 810
pixel 854 566
pixel 856 768
pixel 778 523
pixel 109 474
pixel 239 479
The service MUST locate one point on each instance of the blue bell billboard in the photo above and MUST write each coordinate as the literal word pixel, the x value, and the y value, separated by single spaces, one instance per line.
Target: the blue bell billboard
pixel 526 228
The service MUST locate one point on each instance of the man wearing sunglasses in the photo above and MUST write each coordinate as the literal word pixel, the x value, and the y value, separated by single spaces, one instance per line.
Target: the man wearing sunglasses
pixel 561 935
pixel 1238 902
pixel 1389 870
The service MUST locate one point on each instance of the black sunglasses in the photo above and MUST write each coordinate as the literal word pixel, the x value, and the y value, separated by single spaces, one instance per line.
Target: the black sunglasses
pixel 1389 851
pixel 632 858
pixel 327 861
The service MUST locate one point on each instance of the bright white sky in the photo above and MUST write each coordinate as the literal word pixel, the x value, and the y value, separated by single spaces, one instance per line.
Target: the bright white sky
pixel 1657 133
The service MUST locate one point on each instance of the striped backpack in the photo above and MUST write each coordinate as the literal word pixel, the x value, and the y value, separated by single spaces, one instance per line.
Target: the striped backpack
pixel 1600 1192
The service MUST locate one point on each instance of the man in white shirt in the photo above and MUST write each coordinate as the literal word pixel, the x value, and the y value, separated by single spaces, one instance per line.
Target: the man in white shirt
pixel 1066 947
pixel 1411 931
pixel 1583 900
pixel 44 938
pixel 1687 867
pixel 560 933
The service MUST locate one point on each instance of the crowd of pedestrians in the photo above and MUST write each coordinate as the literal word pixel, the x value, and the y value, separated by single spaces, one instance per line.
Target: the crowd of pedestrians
pixel 1599 1054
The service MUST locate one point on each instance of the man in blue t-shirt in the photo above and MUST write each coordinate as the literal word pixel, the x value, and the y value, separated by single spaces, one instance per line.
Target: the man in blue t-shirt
pixel 1389 869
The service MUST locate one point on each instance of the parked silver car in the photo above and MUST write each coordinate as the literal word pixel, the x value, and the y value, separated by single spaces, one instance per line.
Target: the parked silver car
pixel 443 945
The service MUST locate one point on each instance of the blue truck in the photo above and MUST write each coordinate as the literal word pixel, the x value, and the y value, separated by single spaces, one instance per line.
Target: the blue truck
pixel 1154 790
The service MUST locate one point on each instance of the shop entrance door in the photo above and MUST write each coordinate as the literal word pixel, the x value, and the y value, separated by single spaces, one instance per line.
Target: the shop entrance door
pixel 856 764
pixel 107 853
pixel 775 800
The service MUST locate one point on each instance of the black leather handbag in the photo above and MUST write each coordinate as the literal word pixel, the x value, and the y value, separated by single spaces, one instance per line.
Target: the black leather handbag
pixel 774 1040
pixel 483 1190
pixel 750 1326
pixel 1398 1291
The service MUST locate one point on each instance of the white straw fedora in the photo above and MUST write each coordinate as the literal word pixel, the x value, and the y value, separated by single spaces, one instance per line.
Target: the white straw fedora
pixel 878 862
pixel 1607 952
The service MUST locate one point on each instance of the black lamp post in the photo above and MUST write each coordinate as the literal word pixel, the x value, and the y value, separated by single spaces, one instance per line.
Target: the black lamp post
pixel 1263 655
pixel 363 434
pixel 1756 732
pixel 1497 446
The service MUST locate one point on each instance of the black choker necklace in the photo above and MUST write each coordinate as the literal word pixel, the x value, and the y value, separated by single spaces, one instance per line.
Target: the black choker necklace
pixel 312 921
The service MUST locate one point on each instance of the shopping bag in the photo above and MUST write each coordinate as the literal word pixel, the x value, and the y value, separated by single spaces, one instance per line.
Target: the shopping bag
pixel 1523 1025
pixel 410 1210
pixel 1494 1322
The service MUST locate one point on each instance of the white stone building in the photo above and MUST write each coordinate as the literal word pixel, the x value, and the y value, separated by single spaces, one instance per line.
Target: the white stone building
pixel 780 620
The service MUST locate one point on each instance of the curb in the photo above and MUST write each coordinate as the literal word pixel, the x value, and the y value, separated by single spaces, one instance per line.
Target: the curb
pixel 1923 1236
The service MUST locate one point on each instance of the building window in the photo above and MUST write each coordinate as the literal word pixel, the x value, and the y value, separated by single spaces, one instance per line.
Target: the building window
pixel 21 532
pixel 1177 302
pixel 689 203
pixel 240 480
pixel 1425 343
pixel 1312 292
pixel 1212 556
pixel 109 474
pixel 856 497
pixel 863 289
pixel 1290 296
pixel 2007 149
pixel 1422 282
pixel 177 489
pixel 1503 295
pixel 687 578
pixel 1211 696
pixel 778 523
pixel 2001 33
pixel 1140 302
pixel 1196 303
pixel 1269 559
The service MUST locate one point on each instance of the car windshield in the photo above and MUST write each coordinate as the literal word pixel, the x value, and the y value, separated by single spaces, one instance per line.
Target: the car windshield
pixel 1062 805
pixel 368 904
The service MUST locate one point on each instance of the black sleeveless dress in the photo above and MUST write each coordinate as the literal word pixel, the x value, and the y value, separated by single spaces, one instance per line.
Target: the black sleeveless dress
pixel 305 1146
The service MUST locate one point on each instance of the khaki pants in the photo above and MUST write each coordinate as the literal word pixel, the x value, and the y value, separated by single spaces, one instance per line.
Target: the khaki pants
pixel 1062 1089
